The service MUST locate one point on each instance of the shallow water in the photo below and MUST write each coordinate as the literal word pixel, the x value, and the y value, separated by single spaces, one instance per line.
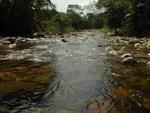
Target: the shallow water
pixel 76 76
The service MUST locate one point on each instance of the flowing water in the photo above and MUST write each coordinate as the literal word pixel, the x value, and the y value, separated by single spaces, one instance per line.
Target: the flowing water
pixel 73 75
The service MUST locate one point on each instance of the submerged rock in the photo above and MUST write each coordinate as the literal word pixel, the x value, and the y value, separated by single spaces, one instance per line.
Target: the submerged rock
pixel 129 61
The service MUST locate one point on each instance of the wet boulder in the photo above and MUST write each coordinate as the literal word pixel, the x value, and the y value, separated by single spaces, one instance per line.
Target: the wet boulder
pixel 129 61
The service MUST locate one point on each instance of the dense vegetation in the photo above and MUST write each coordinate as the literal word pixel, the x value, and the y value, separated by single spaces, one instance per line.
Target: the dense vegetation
pixel 22 17
pixel 127 17
pixel 25 17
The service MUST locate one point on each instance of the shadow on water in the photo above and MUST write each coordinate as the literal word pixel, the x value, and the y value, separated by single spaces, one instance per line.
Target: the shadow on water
pixel 23 83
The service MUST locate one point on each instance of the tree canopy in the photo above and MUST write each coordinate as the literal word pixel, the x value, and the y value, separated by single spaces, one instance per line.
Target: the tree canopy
pixel 124 17
pixel 21 17
pixel 131 17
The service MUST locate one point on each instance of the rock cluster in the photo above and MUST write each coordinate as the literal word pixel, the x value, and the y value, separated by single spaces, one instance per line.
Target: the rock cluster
pixel 131 50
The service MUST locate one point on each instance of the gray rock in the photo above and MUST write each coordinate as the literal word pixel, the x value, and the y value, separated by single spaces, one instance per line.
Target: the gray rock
pixel 129 61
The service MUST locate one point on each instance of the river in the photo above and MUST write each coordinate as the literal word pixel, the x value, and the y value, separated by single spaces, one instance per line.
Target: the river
pixel 72 73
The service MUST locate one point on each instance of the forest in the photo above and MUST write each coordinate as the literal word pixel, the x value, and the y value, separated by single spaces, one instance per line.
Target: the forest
pixel 123 17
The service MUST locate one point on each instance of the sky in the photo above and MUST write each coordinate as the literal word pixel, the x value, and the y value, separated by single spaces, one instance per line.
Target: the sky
pixel 61 5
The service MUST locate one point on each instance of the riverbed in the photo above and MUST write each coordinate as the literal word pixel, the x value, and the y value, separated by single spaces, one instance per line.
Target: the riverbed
pixel 79 72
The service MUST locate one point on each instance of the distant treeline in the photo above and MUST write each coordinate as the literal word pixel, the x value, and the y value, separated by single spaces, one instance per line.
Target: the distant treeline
pixel 127 17
pixel 25 17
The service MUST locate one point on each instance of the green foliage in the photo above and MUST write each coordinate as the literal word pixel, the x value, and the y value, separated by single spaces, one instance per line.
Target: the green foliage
pixel 61 22
pixel 129 17
pixel 137 21
pixel 74 20
pixel 94 21
pixel 23 17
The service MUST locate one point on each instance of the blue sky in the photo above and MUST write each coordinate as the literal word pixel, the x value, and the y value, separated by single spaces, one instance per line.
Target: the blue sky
pixel 62 5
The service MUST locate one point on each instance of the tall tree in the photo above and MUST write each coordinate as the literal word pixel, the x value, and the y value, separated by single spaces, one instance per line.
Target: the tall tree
pixel 21 17
pixel 131 16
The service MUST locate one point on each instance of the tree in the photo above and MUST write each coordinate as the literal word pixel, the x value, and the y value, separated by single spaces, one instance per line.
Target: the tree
pixel 130 16
pixel 75 8
pixel 137 21
pixel 115 12
pixel 21 17
pixel 94 21
pixel 75 14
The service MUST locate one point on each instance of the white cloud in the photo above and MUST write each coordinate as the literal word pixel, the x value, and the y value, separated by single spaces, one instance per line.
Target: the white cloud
pixel 62 5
